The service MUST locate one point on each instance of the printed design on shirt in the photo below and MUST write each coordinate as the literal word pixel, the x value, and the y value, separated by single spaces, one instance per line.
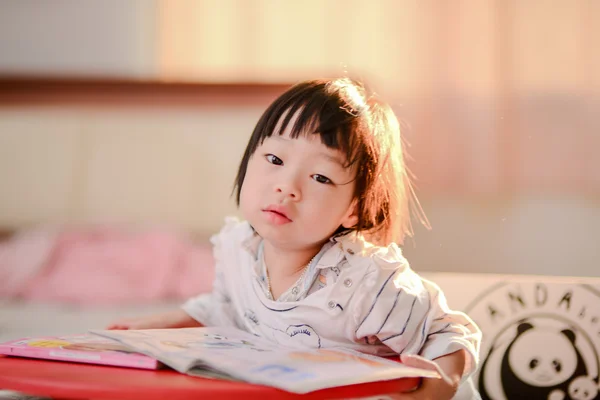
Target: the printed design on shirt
pixel 296 335
pixel 226 299
pixel 541 341
pixel 251 316
pixel 305 335
pixel 329 276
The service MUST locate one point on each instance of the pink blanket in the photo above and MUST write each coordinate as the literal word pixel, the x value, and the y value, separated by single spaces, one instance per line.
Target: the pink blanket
pixel 103 266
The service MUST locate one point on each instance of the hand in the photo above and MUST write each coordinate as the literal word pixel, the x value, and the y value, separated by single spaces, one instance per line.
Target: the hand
pixel 438 389
pixel 173 319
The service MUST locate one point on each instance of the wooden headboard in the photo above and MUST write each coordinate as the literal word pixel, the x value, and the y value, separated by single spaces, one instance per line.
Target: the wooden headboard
pixel 67 146
pixel 19 91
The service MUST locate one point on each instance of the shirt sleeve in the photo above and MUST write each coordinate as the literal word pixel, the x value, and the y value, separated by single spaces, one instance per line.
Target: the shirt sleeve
pixel 449 331
pixel 215 308
pixel 410 315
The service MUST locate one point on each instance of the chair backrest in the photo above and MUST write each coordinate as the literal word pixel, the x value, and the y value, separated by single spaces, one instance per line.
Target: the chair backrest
pixel 541 334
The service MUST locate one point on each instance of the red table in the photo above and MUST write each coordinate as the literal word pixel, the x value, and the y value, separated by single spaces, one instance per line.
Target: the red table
pixel 63 380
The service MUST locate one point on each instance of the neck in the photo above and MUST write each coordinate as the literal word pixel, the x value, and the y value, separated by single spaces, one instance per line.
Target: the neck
pixel 285 263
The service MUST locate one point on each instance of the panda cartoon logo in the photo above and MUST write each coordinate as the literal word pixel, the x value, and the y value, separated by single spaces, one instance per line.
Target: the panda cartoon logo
pixel 584 388
pixel 540 341
pixel 542 364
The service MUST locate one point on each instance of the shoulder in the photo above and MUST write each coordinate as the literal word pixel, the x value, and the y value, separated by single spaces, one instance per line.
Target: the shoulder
pixel 389 293
pixel 234 231
pixel 382 265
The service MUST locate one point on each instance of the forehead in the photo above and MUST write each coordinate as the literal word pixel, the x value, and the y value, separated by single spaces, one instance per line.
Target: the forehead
pixel 296 121
pixel 308 123
pixel 314 145
pixel 311 112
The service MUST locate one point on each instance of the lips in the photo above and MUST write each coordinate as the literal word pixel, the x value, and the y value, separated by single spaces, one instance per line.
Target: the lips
pixel 278 212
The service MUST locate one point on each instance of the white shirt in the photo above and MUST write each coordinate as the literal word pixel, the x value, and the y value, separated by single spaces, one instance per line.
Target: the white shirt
pixel 354 294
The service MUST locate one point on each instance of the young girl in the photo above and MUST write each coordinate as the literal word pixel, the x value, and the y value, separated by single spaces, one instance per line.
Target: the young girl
pixel 325 195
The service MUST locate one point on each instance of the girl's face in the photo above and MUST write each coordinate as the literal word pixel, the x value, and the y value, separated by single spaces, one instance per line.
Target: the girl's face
pixel 296 192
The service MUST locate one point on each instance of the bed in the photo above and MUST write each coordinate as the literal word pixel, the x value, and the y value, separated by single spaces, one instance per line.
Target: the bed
pixel 153 271
pixel 68 280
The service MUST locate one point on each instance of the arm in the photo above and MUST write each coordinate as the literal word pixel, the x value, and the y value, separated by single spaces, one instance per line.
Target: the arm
pixel 410 315
pixel 171 319
pixel 450 368
pixel 211 309
pixel 449 332
pixel 216 308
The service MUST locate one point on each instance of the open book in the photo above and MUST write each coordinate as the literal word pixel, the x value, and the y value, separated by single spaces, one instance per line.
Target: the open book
pixel 84 348
pixel 233 354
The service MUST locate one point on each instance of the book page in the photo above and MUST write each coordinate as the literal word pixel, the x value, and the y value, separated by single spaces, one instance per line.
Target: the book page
pixel 235 354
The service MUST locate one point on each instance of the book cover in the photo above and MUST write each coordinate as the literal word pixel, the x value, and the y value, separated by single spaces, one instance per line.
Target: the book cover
pixel 80 348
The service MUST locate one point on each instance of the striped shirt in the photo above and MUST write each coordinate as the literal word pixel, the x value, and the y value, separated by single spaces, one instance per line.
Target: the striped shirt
pixel 353 294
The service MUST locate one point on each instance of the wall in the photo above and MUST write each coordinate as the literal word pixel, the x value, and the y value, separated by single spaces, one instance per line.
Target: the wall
pixel 176 167
pixel 73 38
pixel 499 99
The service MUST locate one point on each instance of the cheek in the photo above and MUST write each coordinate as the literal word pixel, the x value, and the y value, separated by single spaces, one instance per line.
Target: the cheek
pixel 253 184
pixel 344 199
pixel 331 205
pixel 247 202
pixel 250 178
pixel 248 190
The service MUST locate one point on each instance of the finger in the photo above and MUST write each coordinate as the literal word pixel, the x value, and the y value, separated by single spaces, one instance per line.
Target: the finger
pixel 418 362
pixel 115 327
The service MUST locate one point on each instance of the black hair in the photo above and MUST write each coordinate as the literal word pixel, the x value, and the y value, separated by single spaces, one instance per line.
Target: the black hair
pixel 365 130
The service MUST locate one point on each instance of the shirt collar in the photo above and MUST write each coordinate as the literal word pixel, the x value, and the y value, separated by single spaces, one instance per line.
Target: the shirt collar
pixel 330 255
pixel 252 243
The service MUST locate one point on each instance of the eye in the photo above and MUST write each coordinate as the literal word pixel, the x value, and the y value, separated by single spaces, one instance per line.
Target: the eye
pixel 321 179
pixel 533 363
pixel 273 159
pixel 557 365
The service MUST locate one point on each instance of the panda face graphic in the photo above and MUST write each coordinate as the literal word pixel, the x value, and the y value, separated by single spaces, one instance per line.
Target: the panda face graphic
pixel 543 368
pixel 541 340
pixel 583 388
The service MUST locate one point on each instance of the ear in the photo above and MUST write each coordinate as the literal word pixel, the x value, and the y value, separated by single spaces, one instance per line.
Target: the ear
pixel 569 334
pixel 351 217
pixel 524 326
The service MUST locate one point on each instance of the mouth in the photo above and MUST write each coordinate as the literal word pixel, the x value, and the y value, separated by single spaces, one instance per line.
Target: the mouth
pixel 277 213
pixel 543 378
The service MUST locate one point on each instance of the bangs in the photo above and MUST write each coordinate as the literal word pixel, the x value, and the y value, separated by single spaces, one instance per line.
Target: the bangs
pixel 366 132
pixel 336 110
pixel 312 110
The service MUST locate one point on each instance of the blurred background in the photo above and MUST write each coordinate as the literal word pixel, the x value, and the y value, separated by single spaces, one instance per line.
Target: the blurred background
pixel 136 113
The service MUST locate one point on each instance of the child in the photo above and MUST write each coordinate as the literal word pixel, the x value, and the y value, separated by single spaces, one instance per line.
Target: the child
pixel 325 194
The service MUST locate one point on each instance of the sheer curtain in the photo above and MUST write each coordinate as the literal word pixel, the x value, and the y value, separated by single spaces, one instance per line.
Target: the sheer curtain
pixel 497 97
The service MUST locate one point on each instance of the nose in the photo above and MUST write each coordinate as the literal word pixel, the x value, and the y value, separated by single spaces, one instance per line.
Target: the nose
pixel 289 190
